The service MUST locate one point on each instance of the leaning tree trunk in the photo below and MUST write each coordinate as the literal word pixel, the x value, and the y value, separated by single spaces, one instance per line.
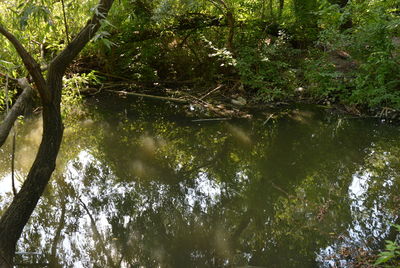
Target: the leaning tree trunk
pixel 19 108
pixel 18 213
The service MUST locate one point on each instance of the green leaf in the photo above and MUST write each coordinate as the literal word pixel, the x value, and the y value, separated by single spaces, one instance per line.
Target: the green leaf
pixel 107 43
pixel 383 259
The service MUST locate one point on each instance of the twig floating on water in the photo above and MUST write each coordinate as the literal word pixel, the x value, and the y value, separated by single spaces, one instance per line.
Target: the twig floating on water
pixel 211 119
pixel 266 121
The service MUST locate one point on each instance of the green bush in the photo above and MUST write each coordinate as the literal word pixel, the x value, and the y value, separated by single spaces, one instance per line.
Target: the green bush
pixel 378 82
pixel 390 257
pixel 268 69
pixel 322 78
pixel 375 78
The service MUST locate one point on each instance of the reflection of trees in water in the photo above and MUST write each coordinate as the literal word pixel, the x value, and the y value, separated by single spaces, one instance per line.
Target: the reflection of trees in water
pixel 373 196
pixel 151 191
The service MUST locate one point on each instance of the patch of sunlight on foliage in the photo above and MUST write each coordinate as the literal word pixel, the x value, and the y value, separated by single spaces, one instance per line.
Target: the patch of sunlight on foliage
pixel 71 97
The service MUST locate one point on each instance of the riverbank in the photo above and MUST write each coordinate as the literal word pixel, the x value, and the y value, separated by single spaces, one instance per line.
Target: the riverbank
pixel 232 102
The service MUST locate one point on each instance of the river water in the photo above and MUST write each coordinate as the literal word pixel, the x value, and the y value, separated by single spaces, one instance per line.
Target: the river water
pixel 143 184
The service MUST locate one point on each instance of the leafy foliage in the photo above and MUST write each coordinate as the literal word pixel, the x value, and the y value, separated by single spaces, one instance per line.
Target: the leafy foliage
pixel 391 256
pixel 71 96
pixel 268 68
pixel 271 46
pixel 371 42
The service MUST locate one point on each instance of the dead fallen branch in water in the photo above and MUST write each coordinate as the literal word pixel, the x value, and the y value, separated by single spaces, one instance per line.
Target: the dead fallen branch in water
pixel 123 93
pixel 211 119
pixel 212 91
pixel 219 110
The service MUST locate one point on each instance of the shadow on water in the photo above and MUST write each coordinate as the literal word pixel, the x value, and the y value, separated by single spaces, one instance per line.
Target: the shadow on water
pixel 142 185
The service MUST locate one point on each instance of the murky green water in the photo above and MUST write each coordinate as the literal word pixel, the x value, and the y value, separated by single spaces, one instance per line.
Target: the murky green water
pixel 142 185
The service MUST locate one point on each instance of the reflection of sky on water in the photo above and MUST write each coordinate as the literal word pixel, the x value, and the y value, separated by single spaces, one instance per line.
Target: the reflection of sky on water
pixel 6 184
pixel 187 194
pixel 83 239
pixel 370 224
pixel 205 193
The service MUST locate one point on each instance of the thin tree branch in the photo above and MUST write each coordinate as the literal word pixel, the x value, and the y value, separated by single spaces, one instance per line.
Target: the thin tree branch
pixel 97 233
pixel 9 78
pixel 62 60
pixel 216 5
pixel 13 163
pixel 57 236
pixel 31 65
pixel 65 21
pixel 223 3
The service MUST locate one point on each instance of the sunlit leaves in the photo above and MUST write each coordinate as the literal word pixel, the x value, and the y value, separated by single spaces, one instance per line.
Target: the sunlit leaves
pixel 35 11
